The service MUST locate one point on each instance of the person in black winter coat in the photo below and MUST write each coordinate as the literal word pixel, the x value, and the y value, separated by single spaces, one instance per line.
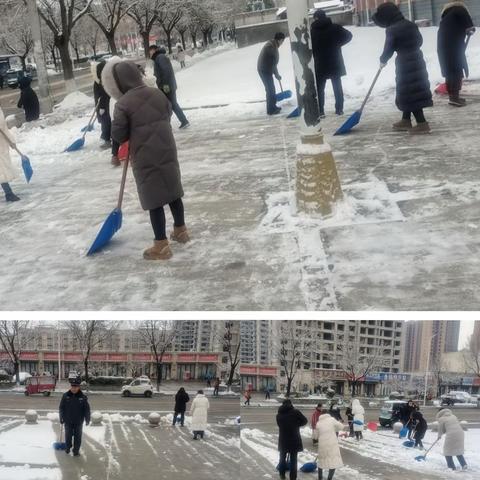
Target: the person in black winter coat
pixel 349 414
pixel 289 421
pixel 74 410
pixel 455 26
pixel 181 400
pixel 102 101
pixel 267 68
pixel 28 100
pixel 413 86
pixel 419 427
pixel 166 81
pixel 327 42
pixel 406 416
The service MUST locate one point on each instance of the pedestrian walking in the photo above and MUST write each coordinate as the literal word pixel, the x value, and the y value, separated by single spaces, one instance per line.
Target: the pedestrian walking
pixel 313 422
pixel 267 67
pixel 329 456
pixel 358 418
pixel 267 393
pixel 289 421
pixel 454 444
pixel 181 400
pixel 7 172
pixel 419 428
pixel 413 92
pixel 216 387
pixel 28 100
pixel 166 81
pixel 199 413
pixel 335 412
pixel 180 56
pixel 142 117
pixel 209 382
pixel 328 39
pixel 102 102
pixel 247 395
pixel 349 415
pixel 455 27
pixel 74 410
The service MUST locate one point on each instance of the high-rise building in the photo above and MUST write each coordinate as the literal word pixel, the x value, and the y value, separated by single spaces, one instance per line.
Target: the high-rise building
pixel 256 342
pixel 452 335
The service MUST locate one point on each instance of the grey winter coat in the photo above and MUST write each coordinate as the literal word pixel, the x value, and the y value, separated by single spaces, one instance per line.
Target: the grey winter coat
pixel 142 116
pixel 449 425
pixel 163 71
pixel 268 59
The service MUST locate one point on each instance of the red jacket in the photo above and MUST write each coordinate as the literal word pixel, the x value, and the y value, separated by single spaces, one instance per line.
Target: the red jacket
pixel 315 416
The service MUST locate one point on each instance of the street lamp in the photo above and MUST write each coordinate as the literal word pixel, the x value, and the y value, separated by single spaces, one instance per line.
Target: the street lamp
pixel 428 366
pixel 59 352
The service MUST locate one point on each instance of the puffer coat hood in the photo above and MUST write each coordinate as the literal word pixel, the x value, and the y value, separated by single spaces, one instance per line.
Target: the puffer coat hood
pixel 451 5
pixel 387 14
pixel 108 79
pixel 24 82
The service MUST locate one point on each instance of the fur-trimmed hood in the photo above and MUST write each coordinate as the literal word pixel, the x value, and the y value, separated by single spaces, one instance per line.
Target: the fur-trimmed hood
pixel 450 5
pixel 109 77
pixel 93 71
pixel 97 68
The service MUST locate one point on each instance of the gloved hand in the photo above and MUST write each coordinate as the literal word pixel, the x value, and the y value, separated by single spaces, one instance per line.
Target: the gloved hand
pixel 61 422
pixel 101 111
pixel 166 89
pixel 383 65
pixel 278 77
pixel 87 423
pixel 471 31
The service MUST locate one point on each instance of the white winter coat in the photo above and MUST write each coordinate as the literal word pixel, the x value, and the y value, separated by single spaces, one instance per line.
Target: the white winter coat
pixel 358 414
pixel 7 172
pixel 449 425
pixel 328 450
pixel 199 412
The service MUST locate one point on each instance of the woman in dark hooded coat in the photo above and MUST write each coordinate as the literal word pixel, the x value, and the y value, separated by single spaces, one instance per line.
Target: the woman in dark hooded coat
pixel 413 86
pixel 181 400
pixel 28 100
pixel 289 421
pixel 455 25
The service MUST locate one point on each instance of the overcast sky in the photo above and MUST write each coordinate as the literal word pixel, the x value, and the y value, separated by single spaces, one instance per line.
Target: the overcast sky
pixel 466 330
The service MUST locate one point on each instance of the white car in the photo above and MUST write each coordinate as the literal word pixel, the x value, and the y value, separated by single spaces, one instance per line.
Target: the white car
pixel 139 386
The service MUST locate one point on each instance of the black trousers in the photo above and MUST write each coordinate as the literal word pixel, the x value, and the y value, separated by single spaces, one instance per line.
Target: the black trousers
pixel 451 463
pixel 157 217
pixel 172 96
pixel 358 435
pixel 73 431
pixel 182 418
pixel 106 124
pixel 282 465
pixel 267 395
pixel 337 91
pixel 6 188
pixel 270 92
pixel 420 118
pixel 454 84
pixel 331 473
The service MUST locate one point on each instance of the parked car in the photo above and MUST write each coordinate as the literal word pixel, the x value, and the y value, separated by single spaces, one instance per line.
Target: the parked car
pixel 44 384
pixel 452 398
pixel 139 386
pixel 389 413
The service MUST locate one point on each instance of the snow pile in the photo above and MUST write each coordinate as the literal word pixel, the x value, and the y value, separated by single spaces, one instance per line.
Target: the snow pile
pixel 74 100
pixel 119 418
pixel 26 472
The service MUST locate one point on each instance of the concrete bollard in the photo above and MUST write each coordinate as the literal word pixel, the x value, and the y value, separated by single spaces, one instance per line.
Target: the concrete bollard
pixel 397 427
pixel 464 425
pixel 318 186
pixel 31 416
pixel 154 419
pixel 96 418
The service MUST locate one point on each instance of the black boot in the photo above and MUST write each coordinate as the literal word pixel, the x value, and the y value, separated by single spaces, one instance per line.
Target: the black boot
pixel 11 197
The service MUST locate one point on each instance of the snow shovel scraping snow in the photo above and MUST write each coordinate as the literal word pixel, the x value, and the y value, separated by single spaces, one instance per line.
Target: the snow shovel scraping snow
pixel 60 445
pixel 309 467
pixel 26 165
pixel 80 142
pixel 403 432
pixel 355 118
pixel 422 458
pixel 409 443
pixel 283 95
pixel 113 223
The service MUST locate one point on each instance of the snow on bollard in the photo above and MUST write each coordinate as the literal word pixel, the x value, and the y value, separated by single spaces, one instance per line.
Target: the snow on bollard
pixel 96 418
pixel 154 419
pixel 397 427
pixel 434 426
pixel 31 416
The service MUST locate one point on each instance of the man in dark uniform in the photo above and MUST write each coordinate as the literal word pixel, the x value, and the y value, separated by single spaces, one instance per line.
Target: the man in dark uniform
pixel 74 410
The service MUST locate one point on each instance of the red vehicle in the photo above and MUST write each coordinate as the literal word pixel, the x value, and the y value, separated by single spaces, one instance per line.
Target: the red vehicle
pixel 42 384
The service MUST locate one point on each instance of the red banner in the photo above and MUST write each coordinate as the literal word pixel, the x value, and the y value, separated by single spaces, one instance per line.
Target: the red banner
pixel 203 358
pixel 117 357
pixel 72 357
pixel 248 370
pixel 186 358
pixel 141 357
pixel 50 356
pixel 267 371
pixel 98 357
pixel 167 358
pixel 29 356
pixel 4 356
pixel 476 381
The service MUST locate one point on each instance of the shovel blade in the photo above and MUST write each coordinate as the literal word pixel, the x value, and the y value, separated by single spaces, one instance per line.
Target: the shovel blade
pixel 27 168
pixel 350 123
pixel 76 145
pixel 112 224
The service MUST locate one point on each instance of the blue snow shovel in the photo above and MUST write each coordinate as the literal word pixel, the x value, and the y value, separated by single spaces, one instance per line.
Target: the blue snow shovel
pixel 283 95
pixel 287 466
pixel 403 432
pixel 309 467
pixel 295 113
pixel 26 165
pixel 409 443
pixel 422 458
pixel 357 422
pixel 61 445
pixel 355 118
pixel 80 142
pixel 113 223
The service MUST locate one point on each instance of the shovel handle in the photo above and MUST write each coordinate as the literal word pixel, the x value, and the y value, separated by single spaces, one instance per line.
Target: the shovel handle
pixel 371 89
pixel 12 145
pixel 281 86
pixel 91 118
pixel 431 446
pixel 122 184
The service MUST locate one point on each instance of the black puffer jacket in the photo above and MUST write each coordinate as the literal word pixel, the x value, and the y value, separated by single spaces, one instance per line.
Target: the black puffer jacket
pixel 268 59
pixel 163 72
pixel 404 37
pixel 74 408
pixel 28 100
pixel 451 39
pixel 420 424
pixel 327 41
pixel 289 421
pixel 181 400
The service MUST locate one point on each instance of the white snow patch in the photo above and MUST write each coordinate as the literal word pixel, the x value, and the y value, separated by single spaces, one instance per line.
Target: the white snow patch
pixel 74 100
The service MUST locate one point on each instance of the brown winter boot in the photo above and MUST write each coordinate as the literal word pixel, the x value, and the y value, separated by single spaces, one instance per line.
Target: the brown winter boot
pixel 456 101
pixel 402 126
pixel 420 129
pixel 160 251
pixel 180 234
pixel 115 161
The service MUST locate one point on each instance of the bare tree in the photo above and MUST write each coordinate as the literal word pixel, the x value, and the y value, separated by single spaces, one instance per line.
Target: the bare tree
pixel 289 351
pixel 15 336
pixel 168 18
pixel 90 335
pixel 472 355
pixel 158 335
pixel 145 14
pixel 231 346
pixel 61 16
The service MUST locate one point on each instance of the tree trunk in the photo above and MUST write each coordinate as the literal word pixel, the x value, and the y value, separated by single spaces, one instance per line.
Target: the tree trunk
pixel 94 48
pixel 24 63
pixel 182 36
pixel 231 375
pixel 16 372
pixel 54 57
pixel 289 387
pixel 85 367
pixel 159 375
pixel 169 41
pixel 111 43
pixel 67 67
pixel 194 40
pixel 205 39
pixel 146 43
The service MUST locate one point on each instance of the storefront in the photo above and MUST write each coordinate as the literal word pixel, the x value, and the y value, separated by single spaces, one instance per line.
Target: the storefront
pixel 258 378
pixel 207 366
pixel 186 366
pixel 29 362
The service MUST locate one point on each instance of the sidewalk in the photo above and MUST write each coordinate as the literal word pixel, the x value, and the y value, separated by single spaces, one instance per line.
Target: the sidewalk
pixel 405 238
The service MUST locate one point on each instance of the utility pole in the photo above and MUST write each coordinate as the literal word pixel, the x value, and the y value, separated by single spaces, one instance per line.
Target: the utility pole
pixel 317 185
pixel 42 75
